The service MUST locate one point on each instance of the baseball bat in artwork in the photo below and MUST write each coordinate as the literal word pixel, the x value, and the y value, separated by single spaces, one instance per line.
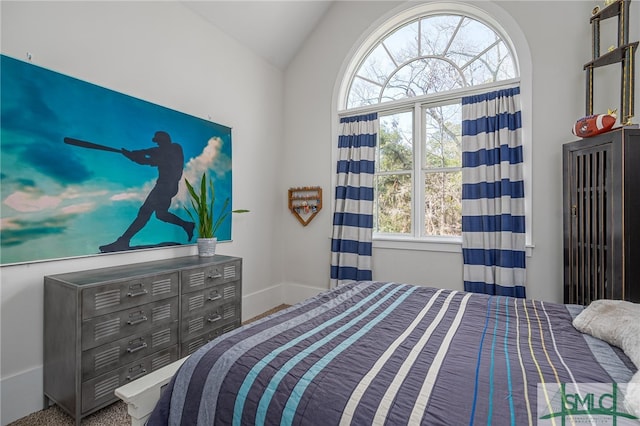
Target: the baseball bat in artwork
pixel 90 145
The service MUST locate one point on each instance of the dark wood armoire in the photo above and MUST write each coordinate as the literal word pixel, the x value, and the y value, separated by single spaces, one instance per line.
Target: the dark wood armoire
pixel 602 217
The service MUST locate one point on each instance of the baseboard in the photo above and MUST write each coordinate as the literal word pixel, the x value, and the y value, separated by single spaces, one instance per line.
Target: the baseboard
pixel 261 301
pixel 294 293
pixel 21 395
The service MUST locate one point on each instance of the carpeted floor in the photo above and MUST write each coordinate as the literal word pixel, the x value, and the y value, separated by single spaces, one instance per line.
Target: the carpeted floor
pixel 113 415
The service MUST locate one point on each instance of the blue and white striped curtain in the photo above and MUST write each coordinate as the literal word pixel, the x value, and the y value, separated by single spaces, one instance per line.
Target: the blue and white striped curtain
pixel 353 216
pixel 493 212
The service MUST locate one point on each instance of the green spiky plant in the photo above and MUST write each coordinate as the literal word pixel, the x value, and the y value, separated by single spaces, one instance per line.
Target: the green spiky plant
pixel 201 211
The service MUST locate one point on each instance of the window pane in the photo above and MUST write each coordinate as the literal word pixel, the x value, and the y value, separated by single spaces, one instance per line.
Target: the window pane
pixel 443 135
pixel 443 204
pixel 377 66
pixel 493 65
pixel 362 93
pixel 436 32
pixel 471 39
pixel 395 143
pixel 393 204
pixel 403 43
pixel 423 77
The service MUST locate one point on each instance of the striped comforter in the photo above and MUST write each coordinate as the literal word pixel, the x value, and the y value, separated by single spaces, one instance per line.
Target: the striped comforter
pixel 388 353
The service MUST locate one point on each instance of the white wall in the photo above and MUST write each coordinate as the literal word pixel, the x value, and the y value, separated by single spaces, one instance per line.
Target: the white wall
pixel 163 53
pixel 559 37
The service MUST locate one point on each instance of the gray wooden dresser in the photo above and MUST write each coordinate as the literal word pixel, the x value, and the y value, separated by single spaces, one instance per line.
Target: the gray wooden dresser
pixel 106 327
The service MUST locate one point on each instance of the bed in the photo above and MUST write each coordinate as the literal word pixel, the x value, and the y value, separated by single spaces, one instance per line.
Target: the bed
pixel 390 353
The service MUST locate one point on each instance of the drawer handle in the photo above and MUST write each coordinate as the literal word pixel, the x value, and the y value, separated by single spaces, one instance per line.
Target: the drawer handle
pixel 214 319
pixel 141 346
pixel 213 276
pixel 216 297
pixel 137 293
pixel 137 321
pixel 142 373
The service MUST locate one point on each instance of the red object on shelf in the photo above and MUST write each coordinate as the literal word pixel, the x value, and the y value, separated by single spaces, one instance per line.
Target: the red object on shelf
pixel 592 125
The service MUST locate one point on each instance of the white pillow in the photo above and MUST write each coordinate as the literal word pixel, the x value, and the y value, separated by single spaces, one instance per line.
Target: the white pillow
pixel 618 323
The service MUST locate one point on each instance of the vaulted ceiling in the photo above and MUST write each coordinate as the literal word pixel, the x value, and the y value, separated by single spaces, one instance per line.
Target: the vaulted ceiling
pixel 274 30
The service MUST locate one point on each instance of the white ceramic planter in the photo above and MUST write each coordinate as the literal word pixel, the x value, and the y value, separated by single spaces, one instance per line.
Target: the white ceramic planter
pixel 207 246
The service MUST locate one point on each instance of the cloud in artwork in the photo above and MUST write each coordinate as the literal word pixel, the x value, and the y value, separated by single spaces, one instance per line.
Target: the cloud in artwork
pixel 28 198
pixel 16 231
pixel 27 202
pixel 211 159
pixel 76 209
pixel 129 196
pixel 194 167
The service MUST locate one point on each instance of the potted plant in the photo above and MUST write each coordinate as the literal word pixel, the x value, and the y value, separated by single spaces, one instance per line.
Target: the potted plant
pixel 201 212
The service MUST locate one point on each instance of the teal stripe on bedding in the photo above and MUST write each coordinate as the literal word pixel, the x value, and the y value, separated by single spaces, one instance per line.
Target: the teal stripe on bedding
pixel 475 389
pixel 291 407
pixel 260 365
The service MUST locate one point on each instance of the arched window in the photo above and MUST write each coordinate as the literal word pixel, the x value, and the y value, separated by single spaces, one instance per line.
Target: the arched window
pixel 413 71
pixel 431 54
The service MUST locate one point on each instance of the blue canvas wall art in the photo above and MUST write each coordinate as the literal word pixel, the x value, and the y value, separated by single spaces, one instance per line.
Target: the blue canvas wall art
pixel 87 170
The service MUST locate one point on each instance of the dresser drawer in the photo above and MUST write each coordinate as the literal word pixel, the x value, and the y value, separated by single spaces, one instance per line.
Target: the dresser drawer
pixel 192 345
pixel 115 326
pixel 116 296
pixel 99 391
pixel 210 297
pixel 209 320
pixel 199 278
pixel 107 357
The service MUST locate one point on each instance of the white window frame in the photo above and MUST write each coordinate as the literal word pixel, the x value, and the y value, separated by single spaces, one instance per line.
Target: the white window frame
pixel 485 12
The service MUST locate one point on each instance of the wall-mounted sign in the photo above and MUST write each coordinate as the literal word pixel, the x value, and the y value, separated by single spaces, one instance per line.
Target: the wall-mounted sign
pixel 305 203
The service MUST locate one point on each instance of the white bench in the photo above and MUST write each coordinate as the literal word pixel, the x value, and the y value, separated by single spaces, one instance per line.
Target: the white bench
pixel 142 394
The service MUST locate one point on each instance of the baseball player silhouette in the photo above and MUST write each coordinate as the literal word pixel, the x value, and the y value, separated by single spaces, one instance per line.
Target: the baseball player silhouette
pixel 169 159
